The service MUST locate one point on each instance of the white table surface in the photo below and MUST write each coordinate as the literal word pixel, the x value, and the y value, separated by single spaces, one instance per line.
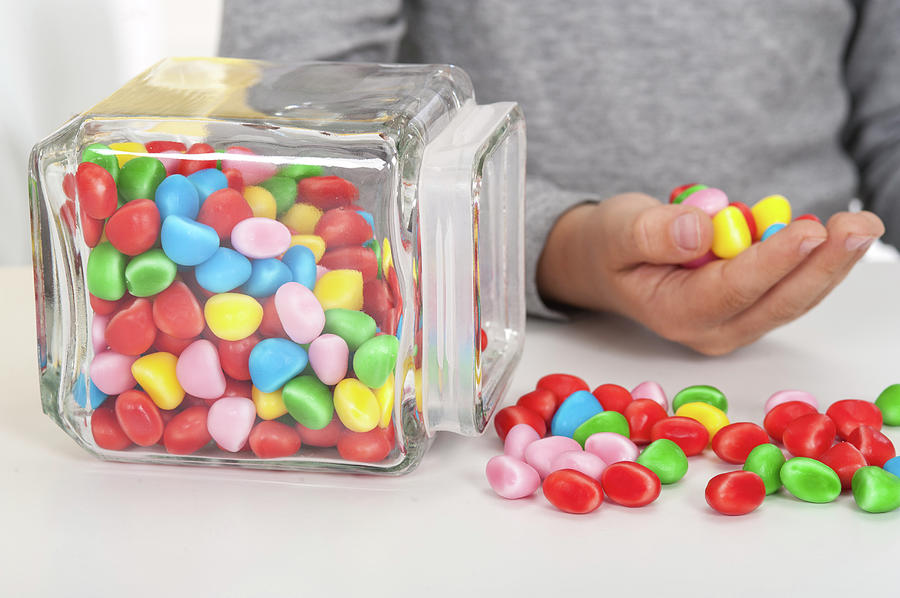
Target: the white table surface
pixel 71 525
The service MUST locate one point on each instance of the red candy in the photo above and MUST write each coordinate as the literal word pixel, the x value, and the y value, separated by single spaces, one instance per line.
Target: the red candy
pixel 735 492
pixel 326 437
pixel 780 416
pixel 170 344
pixel 104 307
pixel 91 228
pixel 352 258
pixel 222 210
pixel 273 439
pixel 158 147
pixel 134 228
pixel 809 435
pixel 874 446
pixel 186 433
pixel 341 227
pixel 735 441
pixel 139 417
pixel 850 413
pixel 811 217
pixel 271 323
pixel 678 191
pixel 234 356
pixel 177 313
pixel 572 491
pixel 613 397
pixel 630 484
pixel 106 430
pixel 748 216
pixel 326 192
pixel 542 402
pixel 235 179
pixel 562 385
pixel 96 190
pixel 368 447
pixel 69 186
pixel 131 330
pixel 483 339
pixel 67 215
pixel 641 415
pixel 508 417
pixel 377 300
pixel 844 459
pixel 189 167
pixel 237 388
pixel 689 434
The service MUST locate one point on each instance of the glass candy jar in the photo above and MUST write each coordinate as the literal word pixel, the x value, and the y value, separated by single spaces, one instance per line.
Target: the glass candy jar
pixel 300 267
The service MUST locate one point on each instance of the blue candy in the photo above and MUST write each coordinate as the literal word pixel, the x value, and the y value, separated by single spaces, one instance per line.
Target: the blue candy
pixel 892 465
pixel 208 181
pixel 266 276
pixel 187 242
pixel 578 407
pixel 302 264
pixel 773 228
pixel 177 196
pixel 368 218
pixel 224 271
pixel 81 395
pixel 274 361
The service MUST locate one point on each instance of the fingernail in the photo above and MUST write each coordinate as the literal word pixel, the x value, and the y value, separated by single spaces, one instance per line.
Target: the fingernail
pixel 856 242
pixel 809 244
pixel 686 230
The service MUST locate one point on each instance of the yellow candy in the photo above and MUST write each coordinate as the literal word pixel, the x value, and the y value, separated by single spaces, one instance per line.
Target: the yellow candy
pixel 128 146
pixel 356 405
pixel 269 405
pixel 712 418
pixel 387 258
pixel 385 398
pixel 302 217
pixel 731 235
pixel 156 375
pixel 768 211
pixel 261 201
pixel 315 243
pixel 418 380
pixel 232 316
pixel 340 288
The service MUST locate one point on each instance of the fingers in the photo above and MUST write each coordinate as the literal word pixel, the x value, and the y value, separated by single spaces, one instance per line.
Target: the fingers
pixel 849 236
pixel 636 229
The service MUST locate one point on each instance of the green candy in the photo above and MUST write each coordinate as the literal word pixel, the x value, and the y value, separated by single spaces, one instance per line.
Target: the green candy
pixel 605 421
pixel 149 273
pixel 376 247
pixel 810 480
pixel 765 461
pixel 308 401
pixel 666 459
pixel 101 155
pixel 889 403
pixel 283 189
pixel 300 171
pixel 876 490
pixel 355 327
pixel 106 272
pixel 375 359
pixel 140 177
pixel 684 194
pixel 701 394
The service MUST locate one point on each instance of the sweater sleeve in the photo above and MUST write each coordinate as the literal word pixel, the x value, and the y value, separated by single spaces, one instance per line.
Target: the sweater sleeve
pixel 290 30
pixel 873 128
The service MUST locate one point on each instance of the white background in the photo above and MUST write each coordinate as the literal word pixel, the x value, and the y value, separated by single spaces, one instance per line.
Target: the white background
pixel 59 58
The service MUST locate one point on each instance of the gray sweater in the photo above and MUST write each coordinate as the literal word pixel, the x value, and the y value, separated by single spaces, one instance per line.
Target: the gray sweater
pixel 800 97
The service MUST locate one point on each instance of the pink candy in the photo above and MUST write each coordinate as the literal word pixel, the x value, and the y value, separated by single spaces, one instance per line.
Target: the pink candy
pixel 229 422
pixel 511 478
pixel 587 463
pixel 253 169
pixel 611 447
pixel 199 372
pixel 329 357
pixel 301 314
pixel 260 238
pixel 111 372
pixel 540 453
pixel 517 439
pixel 710 200
pixel 98 332
pixel 650 390
pixel 786 396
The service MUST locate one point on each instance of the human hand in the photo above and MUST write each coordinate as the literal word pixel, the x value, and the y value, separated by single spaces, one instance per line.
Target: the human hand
pixel 622 255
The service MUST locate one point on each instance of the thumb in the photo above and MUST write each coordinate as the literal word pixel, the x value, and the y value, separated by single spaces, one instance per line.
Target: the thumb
pixel 646 231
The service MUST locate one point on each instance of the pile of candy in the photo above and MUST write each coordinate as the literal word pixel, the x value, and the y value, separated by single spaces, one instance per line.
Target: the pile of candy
pixel 579 445
pixel 234 301
pixel 736 226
